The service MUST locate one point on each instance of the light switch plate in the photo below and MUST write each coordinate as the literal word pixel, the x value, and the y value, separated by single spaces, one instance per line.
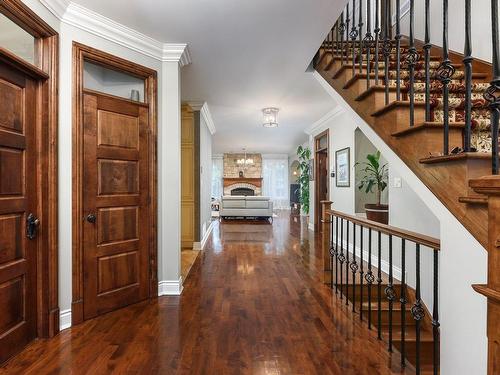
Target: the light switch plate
pixel 397 182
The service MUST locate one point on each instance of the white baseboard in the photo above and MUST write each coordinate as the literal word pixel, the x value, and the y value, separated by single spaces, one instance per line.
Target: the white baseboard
pixel 311 227
pixel 201 245
pixel 65 319
pixel 170 287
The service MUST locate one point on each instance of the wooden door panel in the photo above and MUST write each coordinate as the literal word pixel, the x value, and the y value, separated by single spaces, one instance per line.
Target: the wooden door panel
pixel 18 198
pixel 116 246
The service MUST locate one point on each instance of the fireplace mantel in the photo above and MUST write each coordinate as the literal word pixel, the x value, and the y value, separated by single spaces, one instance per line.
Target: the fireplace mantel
pixel 228 181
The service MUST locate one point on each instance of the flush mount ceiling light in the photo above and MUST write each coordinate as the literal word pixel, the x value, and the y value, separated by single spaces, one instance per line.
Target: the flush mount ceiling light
pixel 270 117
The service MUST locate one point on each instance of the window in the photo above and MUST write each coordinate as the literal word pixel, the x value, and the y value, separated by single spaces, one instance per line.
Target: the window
pixel 217 171
pixel 275 184
pixel 17 40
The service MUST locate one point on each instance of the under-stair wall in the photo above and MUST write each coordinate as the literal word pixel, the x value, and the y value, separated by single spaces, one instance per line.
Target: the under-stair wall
pixel 463 260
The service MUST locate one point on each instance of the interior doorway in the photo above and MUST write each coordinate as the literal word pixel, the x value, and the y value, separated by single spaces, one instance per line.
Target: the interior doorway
pixel 114 183
pixel 321 168
pixel 28 180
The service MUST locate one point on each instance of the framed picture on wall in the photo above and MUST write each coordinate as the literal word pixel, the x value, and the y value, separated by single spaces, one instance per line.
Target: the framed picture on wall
pixel 343 168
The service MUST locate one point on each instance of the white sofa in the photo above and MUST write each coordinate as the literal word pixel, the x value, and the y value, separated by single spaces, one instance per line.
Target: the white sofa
pixel 246 206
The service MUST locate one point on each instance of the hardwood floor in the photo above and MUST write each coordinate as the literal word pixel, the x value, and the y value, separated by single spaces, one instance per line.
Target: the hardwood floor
pixel 253 304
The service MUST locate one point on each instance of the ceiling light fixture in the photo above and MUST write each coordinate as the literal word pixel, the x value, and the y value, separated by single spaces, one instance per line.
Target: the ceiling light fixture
pixel 270 117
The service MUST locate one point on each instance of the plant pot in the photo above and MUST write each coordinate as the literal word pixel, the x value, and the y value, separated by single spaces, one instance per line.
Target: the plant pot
pixel 377 212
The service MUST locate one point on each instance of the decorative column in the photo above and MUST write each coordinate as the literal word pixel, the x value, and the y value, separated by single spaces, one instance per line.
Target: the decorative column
pixel 326 235
pixel 490 186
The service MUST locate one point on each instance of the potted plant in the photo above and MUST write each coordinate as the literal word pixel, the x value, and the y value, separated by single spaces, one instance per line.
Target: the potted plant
pixel 304 155
pixel 375 177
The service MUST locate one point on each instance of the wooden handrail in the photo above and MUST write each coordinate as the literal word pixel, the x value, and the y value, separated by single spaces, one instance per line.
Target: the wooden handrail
pixel 421 239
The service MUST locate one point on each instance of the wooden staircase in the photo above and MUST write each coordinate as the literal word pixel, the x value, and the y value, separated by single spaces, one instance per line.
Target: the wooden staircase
pixel 446 176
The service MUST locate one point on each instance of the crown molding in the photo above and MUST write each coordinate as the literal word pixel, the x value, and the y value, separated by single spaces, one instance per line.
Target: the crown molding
pixel 320 125
pixel 205 112
pixel 94 23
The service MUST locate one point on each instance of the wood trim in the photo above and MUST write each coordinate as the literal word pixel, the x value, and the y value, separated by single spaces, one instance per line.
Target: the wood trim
pixel 46 70
pixel 428 241
pixel 317 201
pixel 228 181
pixel 83 53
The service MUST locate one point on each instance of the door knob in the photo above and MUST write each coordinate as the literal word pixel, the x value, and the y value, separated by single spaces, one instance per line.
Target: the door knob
pixel 32 223
pixel 91 218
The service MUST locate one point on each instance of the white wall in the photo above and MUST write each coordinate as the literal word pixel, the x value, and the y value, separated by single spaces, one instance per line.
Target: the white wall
pixel 168 154
pixel 463 261
pixel 205 177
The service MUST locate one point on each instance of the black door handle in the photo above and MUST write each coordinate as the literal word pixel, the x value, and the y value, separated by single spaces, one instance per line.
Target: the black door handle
pixel 32 223
pixel 91 218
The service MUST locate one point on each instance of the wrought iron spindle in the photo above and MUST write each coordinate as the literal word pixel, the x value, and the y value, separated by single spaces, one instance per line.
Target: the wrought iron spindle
pixel 445 72
pixel 398 50
pixel 342 31
pixel 377 39
pixel 336 51
pixel 417 310
pixel 379 287
pixel 468 76
pixel 411 59
pixel 387 48
pixel 369 278
pixel 492 93
pixel 347 36
pixel 354 267
pixel 341 257
pixel 368 41
pixel 347 264
pixel 332 252
pixel 403 302
pixel 361 273
pixel 360 26
pixel 435 314
pixel 336 254
pixel 389 292
pixel 354 36
pixel 427 53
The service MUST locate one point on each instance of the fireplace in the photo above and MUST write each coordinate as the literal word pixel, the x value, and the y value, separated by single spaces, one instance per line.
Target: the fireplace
pixel 243 191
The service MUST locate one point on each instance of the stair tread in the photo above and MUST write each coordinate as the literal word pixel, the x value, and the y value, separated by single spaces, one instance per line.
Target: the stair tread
pixel 427 125
pixel 456 157
pixel 410 334
pixel 394 104
pixel 473 199
pixel 385 305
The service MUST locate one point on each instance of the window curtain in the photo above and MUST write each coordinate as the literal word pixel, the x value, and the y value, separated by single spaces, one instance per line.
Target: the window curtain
pixel 217 174
pixel 275 180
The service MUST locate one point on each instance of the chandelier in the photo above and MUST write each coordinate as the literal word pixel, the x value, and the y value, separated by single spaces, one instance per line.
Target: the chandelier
pixel 244 161
pixel 270 117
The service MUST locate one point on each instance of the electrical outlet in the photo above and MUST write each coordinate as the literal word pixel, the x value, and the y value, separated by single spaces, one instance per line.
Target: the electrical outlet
pixel 397 182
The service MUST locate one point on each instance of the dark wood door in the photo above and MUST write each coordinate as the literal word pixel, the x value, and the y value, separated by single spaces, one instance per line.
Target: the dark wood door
pixel 115 206
pixel 321 184
pixel 18 199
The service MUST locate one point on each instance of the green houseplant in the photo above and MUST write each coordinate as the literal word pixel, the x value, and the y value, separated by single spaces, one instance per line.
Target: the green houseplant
pixel 304 154
pixel 375 176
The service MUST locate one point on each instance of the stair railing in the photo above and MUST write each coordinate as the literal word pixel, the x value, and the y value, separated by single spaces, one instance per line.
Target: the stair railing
pixel 389 53
pixel 352 258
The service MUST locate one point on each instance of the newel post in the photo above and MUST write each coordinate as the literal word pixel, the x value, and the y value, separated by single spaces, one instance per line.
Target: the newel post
pixel 325 240
pixel 490 186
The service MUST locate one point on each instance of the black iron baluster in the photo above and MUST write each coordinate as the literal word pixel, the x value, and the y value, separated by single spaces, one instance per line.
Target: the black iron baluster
pixel 336 50
pixel 332 251
pixel 379 287
pixel 354 267
pixel 360 25
pixel 403 302
pixel 411 59
pixel 445 72
pixel 389 292
pixel 387 48
pixel 342 31
pixel 369 278
pixel 347 36
pixel 336 254
pixel 377 39
pixel 361 273
pixel 435 315
pixel 468 76
pixel 347 265
pixel 368 41
pixel 341 258
pixel 417 309
pixel 354 37
pixel 491 94
pixel 398 50
pixel 427 52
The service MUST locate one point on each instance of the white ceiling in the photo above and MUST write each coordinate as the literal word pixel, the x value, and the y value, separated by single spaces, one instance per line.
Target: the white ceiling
pixel 246 55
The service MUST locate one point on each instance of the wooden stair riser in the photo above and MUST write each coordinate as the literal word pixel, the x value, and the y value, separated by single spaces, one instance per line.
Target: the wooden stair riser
pixel 426 351
pixel 374 290
pixel 398 117
pixel 396 317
